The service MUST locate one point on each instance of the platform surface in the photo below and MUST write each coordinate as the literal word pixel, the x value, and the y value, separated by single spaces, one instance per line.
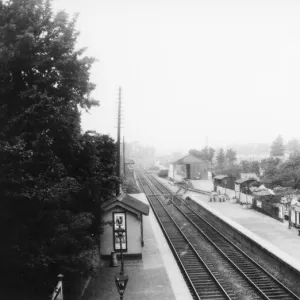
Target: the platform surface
pixel 156 276
pixel 268 232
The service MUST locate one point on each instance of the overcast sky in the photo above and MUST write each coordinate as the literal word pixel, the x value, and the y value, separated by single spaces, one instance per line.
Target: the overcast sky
pixel 226 70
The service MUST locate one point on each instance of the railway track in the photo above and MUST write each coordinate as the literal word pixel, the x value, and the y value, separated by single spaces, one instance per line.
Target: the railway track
pixel 263 282
pixel 201 281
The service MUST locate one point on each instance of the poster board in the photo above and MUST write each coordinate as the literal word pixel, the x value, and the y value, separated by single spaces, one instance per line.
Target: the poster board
pixel 119 221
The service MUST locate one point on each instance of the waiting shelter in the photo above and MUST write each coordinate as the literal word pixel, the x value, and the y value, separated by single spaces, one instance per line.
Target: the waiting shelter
pixel 245 184
pixel 125 211
pixel 225 181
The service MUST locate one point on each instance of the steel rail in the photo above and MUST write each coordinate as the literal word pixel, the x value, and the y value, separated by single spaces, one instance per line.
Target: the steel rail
pixel 234 259
pixel 213 282
pixel 176 256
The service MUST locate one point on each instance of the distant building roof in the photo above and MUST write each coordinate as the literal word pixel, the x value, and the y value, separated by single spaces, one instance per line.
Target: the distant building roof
pixel 282 191
pixel 219 177
pixel 240 181
pixel 265 192
pixel 127 201
pixel 188 159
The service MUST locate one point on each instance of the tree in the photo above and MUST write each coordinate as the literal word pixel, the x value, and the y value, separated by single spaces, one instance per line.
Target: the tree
pixel 231 156
pixel 270 166
pixel 206 153
pixel 277 147
pixel 52 177
pixel 221 157
pixel 292 146
pixel 196 153
pixel 211 154
pixel 245 166
pixel 289 171
pixel 233 170
pixel 250 167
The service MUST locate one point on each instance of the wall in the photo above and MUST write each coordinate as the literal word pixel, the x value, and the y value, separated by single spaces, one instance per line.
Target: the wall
pixel 201 168
pixel 134 238
pixel 267 207
pixel 246 198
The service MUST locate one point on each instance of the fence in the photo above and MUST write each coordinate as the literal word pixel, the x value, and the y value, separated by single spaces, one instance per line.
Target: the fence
pixel 243 198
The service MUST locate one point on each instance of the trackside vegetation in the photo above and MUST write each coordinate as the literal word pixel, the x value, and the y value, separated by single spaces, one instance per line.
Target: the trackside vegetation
pixel 53 176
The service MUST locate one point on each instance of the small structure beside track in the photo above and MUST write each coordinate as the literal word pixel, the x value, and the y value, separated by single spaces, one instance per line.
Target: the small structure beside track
pixel 128 210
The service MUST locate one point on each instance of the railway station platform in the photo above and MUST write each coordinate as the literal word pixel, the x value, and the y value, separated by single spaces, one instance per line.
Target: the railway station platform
pixel 271 234
pixel 155 276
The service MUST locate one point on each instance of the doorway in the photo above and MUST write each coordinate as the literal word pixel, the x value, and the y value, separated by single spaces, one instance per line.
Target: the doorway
pixel 188 171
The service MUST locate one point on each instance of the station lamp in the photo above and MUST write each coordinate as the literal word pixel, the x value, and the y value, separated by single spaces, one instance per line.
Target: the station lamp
pixel 121 279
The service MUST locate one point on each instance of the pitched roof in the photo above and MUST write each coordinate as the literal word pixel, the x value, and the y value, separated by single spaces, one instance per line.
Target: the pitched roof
pixel 131 201
pixel 240 181
pixel 265 192
pixel 219 177
pixel 188 159
pixel 282 191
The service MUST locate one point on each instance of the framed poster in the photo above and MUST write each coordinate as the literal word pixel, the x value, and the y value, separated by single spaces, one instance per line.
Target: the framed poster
pixel 119 220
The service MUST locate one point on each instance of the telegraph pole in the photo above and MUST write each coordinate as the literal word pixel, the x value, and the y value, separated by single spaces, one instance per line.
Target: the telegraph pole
pixel 124 163
pixel 119 142
pixel 207 161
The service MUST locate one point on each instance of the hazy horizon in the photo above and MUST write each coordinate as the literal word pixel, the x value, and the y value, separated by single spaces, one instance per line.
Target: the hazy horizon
pixel 192 71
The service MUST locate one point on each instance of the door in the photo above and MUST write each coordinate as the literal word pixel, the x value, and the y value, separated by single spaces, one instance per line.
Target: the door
pixel 188 171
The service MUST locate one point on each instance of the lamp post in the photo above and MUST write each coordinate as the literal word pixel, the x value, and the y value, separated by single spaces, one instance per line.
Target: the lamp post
pixel 121 279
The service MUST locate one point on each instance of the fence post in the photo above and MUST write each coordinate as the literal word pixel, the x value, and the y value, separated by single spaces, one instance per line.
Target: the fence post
pixel 58 291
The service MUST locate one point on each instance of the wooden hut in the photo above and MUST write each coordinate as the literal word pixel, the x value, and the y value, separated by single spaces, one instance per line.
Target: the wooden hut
pixel 245 184
pixel 227 182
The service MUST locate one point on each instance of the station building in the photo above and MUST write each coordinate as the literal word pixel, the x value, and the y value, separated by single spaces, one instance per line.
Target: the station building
pixel 125 211
pixel 194 168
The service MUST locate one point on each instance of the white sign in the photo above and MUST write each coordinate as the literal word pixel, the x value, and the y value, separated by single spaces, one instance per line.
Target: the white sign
pixel 258 203
pixel 237 188
pixel 120 223
pixel 280 212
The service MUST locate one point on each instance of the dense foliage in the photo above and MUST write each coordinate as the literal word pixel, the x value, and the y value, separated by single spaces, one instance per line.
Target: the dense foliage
pixel 284 173
pixel 206 154
pixel 250 166
pixel 52 177
pixel 220 158
pixel 230 156
pixel 292 146
pixel 277 147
